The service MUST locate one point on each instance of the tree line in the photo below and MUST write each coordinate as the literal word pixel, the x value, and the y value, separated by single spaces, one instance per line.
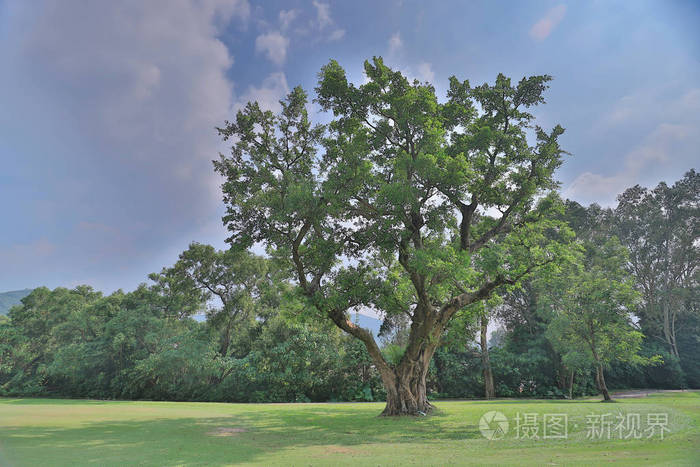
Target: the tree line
pixel 258 344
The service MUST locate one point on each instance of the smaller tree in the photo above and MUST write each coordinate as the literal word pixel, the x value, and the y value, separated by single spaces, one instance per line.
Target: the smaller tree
pixel 238 280
pixel 593 310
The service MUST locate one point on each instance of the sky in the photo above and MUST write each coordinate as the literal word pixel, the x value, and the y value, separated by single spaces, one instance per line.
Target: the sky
pixel 108 109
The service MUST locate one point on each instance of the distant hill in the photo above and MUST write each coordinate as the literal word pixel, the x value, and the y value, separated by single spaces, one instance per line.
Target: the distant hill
pixel 10 299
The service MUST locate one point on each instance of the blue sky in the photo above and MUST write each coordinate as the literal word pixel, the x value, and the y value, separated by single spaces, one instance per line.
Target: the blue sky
pixel 109 108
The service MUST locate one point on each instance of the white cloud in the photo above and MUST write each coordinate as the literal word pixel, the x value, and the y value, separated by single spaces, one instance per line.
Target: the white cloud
pixel 273 88
pixel 668 118
pixel 323 23
pixel 221 11
pixel 337 35
pixel 274 45
pixel 287 17
pixel 425 72
pixel 323 14
pixel 544 27
pixel 690 101
pixel 156 78
pixel 646 163
pixel 624 110
pixel 632 109
pixel 657 148
pixel 130 93
pixel 395 43
pixel 643 105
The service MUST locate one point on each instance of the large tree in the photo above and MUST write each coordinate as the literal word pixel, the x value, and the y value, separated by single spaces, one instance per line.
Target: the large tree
pixel 403 203
pixel 661 227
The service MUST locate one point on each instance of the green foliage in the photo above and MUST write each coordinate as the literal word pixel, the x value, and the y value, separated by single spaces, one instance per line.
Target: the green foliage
pixel 457 373
pixel 660 228
pixel 592 305
pixel 78 343
pixel 390 205
pixel 393 353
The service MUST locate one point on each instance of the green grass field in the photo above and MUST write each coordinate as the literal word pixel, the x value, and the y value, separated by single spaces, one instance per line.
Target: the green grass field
pixel 71 432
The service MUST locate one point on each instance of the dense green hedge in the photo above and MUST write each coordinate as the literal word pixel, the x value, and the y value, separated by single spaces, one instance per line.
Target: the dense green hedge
pixel 78 343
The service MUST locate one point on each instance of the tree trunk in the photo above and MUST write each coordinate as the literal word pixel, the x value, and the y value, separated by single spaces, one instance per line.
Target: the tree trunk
pixel 600 380
pixel 669 328
pixel 571 386
pixel 489 391
pixel 674 346
pixel 405 386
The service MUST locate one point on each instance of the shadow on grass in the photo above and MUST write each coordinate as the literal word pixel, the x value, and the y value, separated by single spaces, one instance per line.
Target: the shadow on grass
pixel 248 436
pixel 51 401
pixel 509 401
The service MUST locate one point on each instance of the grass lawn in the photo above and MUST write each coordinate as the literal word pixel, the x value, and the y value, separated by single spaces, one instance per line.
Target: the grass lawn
pixel 74 432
